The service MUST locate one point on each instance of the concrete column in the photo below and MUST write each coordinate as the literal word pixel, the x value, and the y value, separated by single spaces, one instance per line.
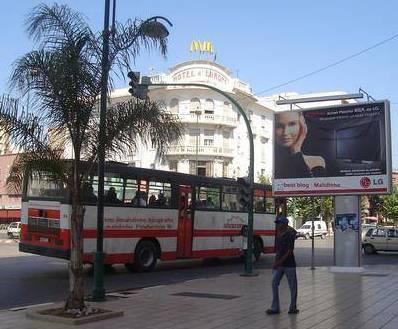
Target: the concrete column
pixel 347 234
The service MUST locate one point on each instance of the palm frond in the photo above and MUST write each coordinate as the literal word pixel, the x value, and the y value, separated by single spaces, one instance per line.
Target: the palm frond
pixel 133 121
pixel 131 37
pixel 65 87
pixel 56 25
pixel 23 128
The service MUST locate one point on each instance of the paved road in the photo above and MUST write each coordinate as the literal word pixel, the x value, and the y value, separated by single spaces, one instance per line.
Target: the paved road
pixel 27 279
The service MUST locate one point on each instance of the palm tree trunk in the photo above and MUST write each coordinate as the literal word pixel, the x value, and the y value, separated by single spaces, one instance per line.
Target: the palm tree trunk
pixel 75 298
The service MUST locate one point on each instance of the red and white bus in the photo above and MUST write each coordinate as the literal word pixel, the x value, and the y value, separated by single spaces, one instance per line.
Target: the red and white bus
pixel 148 215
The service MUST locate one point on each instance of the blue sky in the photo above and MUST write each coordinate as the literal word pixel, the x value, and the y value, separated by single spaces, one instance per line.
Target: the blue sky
pixel 265 43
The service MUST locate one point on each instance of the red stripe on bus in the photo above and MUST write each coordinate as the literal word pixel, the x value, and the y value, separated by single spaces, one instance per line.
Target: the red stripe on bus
pixel 269 250
pixel 60 240
pixel 265 232
pixel 45 213
pixel 50 244
pixel 91 234
pixel 220 233
pixel 124 258
pixel 215 233
pixel 168 255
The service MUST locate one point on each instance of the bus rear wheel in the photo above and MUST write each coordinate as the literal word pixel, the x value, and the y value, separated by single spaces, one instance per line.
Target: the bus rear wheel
pixel 145 257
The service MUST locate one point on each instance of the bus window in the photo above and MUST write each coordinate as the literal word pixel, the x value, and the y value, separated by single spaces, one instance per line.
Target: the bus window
pixel 43 185
pixel 130 190
pixel 230 199
pixel 113 188
pixel 208 198
pixel 259 204
pixel 88 194
pixel 270 205
pixel 159 194
pixel 136 192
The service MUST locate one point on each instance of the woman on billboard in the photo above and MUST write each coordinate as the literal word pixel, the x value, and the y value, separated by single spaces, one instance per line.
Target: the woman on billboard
pixel 290 162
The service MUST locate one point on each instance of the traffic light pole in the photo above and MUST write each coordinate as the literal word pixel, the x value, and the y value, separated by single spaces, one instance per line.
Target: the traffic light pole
pixel 98 293
pixel 249 254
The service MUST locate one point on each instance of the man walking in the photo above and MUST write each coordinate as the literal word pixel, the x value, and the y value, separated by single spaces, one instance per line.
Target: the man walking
pixel 284 264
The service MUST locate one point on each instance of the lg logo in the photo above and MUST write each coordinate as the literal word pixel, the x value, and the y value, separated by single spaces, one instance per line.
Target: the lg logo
pixel 366 182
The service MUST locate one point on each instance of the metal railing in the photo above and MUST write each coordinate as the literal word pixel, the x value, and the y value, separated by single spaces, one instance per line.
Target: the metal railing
pixel 200 149
pixel 208 118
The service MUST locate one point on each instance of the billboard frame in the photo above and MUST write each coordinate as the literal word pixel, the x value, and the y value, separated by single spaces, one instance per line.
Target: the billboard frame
pixel 388 151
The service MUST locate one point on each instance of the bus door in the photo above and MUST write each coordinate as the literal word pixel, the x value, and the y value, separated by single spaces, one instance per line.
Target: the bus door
pixel 185 225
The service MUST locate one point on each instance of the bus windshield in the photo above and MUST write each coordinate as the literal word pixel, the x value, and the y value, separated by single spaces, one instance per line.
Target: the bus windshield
pixel 44 186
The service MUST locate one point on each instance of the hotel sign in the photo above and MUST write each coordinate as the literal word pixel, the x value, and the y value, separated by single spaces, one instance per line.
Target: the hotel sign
pixel 200 74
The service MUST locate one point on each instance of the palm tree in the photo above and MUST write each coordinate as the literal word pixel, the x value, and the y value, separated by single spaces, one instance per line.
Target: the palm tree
pixel 64 76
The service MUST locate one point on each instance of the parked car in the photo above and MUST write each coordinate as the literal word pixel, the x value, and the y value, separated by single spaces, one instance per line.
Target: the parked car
pixel 366 227
pixel 380 239
pixel 305 231
pixel 14 230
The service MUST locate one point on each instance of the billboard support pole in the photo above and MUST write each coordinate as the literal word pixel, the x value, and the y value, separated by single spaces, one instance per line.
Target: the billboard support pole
pixel 312 245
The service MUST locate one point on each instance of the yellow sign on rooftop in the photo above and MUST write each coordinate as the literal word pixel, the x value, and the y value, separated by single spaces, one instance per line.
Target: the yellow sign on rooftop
pixel 202 46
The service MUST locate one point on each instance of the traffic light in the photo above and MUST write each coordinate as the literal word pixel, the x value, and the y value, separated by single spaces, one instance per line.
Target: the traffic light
pixel 244 192
pixel 137 89
pixel 134 81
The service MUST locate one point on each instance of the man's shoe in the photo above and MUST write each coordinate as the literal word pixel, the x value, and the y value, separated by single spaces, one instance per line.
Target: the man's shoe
pixel 293 311
pixel 271 312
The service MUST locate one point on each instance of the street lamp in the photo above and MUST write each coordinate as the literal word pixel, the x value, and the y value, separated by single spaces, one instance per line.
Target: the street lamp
pixel 248 259
pixel 151 28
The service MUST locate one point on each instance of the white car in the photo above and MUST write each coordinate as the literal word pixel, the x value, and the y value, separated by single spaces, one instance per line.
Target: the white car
pixel 320 230
pixel 380 239
pixel 14 229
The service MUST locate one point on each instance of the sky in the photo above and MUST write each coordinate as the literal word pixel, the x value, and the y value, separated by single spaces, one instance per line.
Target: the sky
pixel 264 43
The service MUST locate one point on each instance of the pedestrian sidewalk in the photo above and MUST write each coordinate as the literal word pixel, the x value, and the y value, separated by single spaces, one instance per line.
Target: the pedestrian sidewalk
pixel 326 300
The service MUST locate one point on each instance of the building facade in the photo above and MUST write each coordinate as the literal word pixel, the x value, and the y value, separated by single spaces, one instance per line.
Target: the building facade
pixel 10 203
pixel 215 140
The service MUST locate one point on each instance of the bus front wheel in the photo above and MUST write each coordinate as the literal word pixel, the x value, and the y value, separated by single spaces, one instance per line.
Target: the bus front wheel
pixel 145 256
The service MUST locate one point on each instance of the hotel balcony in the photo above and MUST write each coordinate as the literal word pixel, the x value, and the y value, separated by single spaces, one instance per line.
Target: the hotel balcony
pixel 201 150
pixel 204 118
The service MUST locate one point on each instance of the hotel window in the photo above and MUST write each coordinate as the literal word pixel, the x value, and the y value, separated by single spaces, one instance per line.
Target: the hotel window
pixel 226 139
pixel 227 109
pixel 173 165
pixel 263 121
pixel 209 106
pixel 174 108
pixel 194 105
pixel 209 137
pixel 263 149
pixel 194 136
pixel 225 171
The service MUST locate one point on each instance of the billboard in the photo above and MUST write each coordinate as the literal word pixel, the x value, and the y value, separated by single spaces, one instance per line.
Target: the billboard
pixel 343 149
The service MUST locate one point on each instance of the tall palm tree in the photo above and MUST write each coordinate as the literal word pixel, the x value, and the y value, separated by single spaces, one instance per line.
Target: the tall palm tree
pixel 64 77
